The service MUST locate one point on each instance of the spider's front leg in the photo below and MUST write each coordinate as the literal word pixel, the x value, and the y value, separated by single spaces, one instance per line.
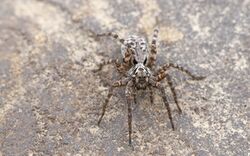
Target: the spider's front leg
pixel 163 75
pixel 165 99
pixel 170 83
pixel 116 84
pixel 130 92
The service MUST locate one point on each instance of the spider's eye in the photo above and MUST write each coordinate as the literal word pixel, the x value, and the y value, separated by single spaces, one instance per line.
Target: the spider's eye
pixel 145 61
pixel 134 61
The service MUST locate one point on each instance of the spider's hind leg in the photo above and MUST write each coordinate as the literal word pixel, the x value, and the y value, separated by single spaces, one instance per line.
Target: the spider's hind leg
pixel 153 51
pixel 111 34
pixel 107 62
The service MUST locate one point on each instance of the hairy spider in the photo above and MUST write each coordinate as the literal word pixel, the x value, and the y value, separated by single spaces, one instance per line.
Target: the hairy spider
pixel 137 70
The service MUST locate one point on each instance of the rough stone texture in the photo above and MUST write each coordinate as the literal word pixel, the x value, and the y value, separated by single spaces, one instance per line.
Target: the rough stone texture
pixel 50 100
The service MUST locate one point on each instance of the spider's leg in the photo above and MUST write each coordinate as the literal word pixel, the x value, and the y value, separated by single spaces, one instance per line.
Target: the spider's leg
pixel 151 95
pixel 135 101
pixel 170 83
pixel 165 99
pixel 163 75
pixel 164 96
pixel 119 83
pixel 105 104
pixel 126 64
pixel 171 65
pixel 114 35
pixel 107 62
pixel 130 100
pixel 153 51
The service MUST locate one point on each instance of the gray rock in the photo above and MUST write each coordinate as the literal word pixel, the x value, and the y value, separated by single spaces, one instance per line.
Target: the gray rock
pixel 50 100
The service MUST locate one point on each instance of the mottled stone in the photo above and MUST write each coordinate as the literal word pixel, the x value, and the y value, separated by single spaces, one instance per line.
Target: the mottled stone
pixel 50 100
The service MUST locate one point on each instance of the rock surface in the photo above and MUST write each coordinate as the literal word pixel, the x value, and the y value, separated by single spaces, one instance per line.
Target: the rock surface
pixel 50 99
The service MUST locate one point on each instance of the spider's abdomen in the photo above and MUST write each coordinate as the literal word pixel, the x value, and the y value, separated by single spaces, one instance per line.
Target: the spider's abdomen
pixel 138 46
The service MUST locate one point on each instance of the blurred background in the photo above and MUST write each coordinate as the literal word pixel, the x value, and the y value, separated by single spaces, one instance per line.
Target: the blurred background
pixel 50 100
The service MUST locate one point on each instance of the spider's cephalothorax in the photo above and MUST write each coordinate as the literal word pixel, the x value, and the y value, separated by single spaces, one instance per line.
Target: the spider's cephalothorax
pixel 138 73
pixel 141 75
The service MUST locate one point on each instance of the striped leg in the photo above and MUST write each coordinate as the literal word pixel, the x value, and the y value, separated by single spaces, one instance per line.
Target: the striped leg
pixel 153 51
pixel 164 96
pixel 119 83
pixel 164 68
pixel 151 95
pixel 114 35
pixel 163 74
pixel 121 67
pixel 130 100
pixel 170 83
pixel 107 62
pixel 126 64
pixel 165 99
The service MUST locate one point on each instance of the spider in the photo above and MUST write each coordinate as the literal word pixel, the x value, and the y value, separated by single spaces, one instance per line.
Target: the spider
pixel 138 73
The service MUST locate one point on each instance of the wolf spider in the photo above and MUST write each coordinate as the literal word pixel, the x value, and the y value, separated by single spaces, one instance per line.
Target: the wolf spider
pixel 136 68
